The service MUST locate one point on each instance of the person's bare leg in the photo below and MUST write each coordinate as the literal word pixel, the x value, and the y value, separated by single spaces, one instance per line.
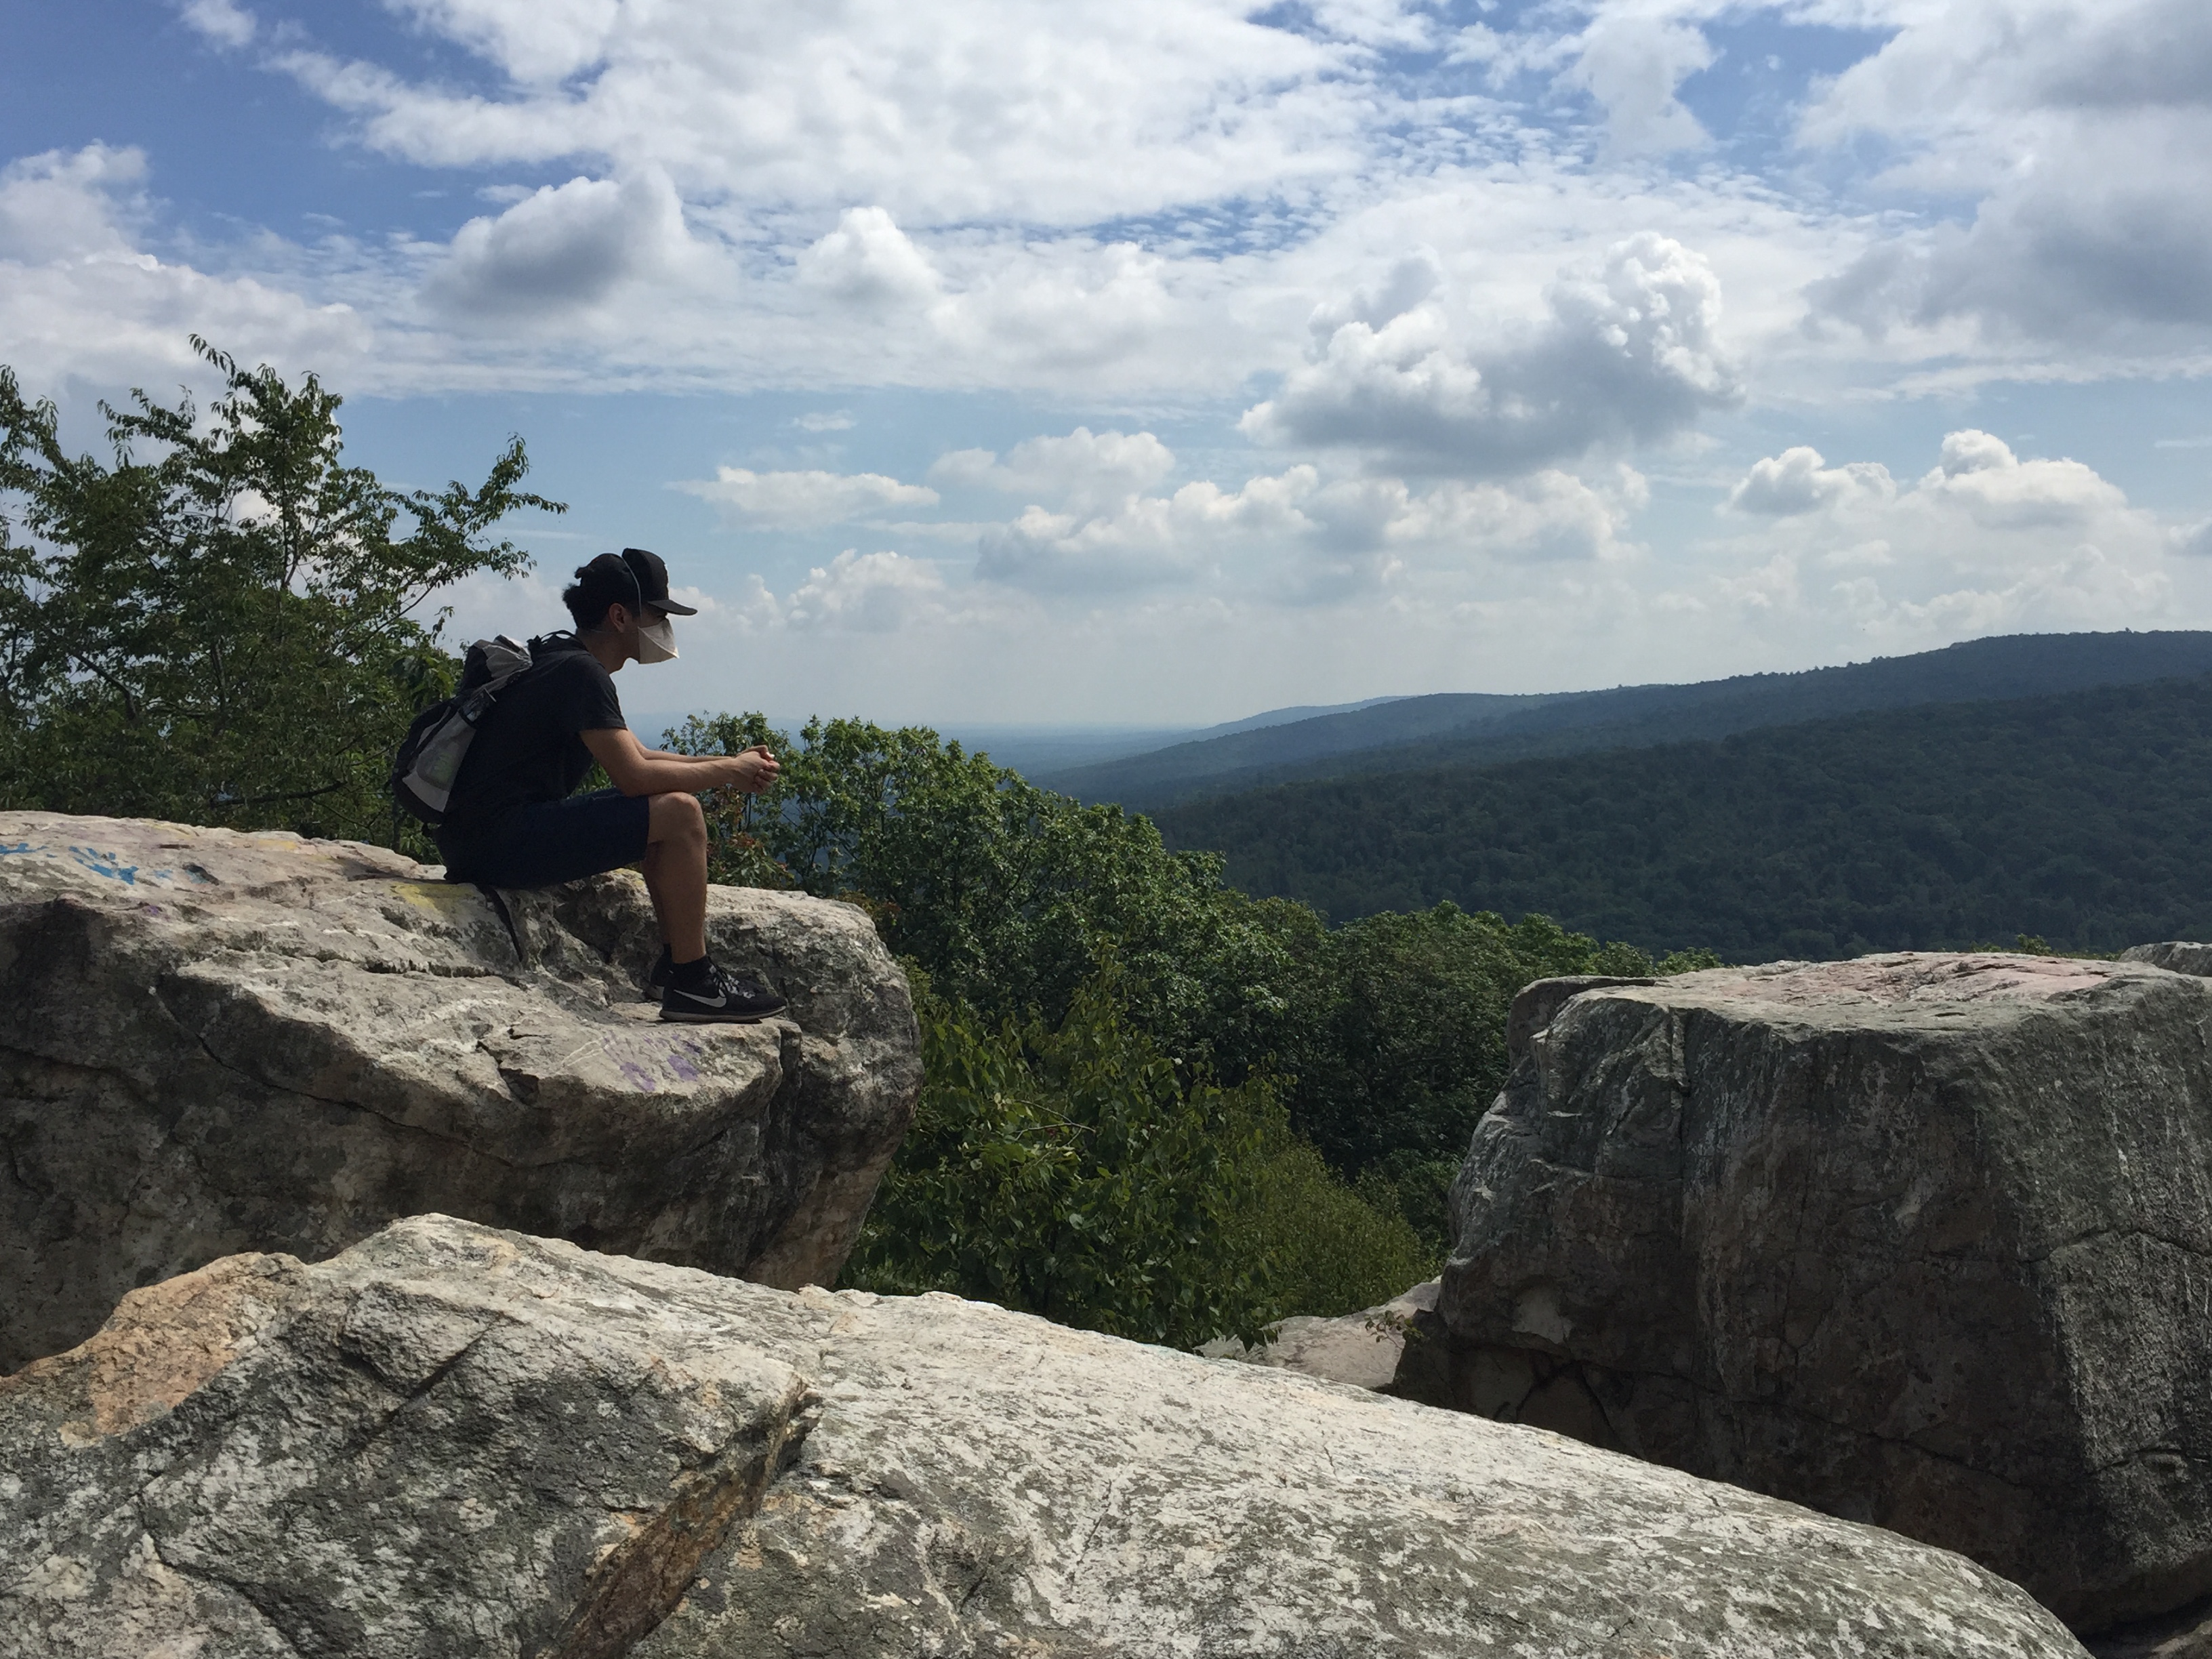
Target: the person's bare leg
pixel 676 874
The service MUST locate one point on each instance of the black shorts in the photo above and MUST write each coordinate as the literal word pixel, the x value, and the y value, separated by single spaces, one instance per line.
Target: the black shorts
pixel 550 840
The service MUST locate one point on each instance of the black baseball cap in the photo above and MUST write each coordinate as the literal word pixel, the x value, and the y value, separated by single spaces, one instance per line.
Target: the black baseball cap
pixel 652 581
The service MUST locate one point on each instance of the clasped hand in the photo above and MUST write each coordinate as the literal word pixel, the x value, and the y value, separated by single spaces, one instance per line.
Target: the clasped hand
pixel 755 770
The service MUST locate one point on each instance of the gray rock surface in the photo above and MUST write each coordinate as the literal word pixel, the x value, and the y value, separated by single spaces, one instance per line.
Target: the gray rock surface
pixel 1921 1240
pixel 2185 1633
pixel 1362 1349
pixel 2179 956
pixel 454 1441
pixel 213 1041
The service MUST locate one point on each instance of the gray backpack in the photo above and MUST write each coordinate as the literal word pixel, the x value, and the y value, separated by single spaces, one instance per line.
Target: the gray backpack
pixel 430 759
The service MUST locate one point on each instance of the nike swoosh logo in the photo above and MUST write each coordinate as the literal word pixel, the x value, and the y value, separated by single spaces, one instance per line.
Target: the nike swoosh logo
pixel 721 1000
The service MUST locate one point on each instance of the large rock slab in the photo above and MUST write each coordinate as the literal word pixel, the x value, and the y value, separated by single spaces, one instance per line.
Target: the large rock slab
pixel 2182 956
pixel 1363 1349
pixel 451 1440
pixel 1921 1240
pixel 213 1041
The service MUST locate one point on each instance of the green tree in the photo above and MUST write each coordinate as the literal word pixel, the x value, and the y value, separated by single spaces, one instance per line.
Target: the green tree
pixel 1068 1172
pixel 1011 897
pixel 218 623
pixel 1072 1170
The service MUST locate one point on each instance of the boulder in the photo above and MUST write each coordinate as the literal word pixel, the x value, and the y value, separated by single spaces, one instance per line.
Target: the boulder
pixel 213 1041
pixel 450 1440
pixel 1362 1349
pixel 2180 955
pixel 1919 1240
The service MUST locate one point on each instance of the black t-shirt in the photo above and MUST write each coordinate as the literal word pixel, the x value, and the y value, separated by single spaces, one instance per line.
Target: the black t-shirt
pixel 529 748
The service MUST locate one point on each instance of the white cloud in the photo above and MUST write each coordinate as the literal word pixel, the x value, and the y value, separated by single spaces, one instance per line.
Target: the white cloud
pixel 540 44
pixel 223 21
pixel 1631 352
pixel 79 295
pixel 564 246
pixel 1084 470
pixel 1065 114
pixel 2082 135
pixel 870 593
pixel 1983 541
pixel 1977 484
pixel 1631 61
pixel 797 500
pixel 1302 539
pixel 1980 475
pixel 66 205
pixel 1142 542
pixel 869 261
pixel 1799 481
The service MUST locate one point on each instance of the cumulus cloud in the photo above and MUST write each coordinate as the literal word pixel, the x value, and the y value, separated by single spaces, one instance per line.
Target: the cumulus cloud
pixel 868 261
pixel 70 204
pixel 2083 134
pixel 80 295
pixel 1983 540
pixel 1084 470
pixel 2107 242
pixel 1143 541
pixel 869 593
pixel 1976 477
pixel 798 500
pixel 1799 481
pixel 565 246
pixel 1631 352
pixel 1311 539
pixel 1980 475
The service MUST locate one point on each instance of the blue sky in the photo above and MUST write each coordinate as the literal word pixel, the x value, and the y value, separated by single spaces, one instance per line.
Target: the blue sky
pixel 1160 361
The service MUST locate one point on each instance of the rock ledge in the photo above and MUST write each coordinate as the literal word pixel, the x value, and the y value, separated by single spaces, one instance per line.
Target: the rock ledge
pixel 213 1041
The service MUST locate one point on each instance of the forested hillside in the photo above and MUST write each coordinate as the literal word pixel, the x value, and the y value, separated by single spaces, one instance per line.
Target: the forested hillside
pixel 2085 818
pixel 1413 734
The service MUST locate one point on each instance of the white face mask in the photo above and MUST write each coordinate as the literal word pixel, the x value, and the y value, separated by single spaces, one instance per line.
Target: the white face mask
pixel 656 641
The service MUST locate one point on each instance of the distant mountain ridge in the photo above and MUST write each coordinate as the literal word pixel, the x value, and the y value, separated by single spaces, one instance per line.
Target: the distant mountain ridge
pixel 1478 729
pixel 2085 818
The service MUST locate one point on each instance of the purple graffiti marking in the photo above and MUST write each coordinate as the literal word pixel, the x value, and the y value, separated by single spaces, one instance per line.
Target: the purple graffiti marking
pixel 684 1070
pixel 646 1082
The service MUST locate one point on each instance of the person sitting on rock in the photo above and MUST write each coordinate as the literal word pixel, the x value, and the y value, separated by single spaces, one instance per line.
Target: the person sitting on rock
pixel 514 822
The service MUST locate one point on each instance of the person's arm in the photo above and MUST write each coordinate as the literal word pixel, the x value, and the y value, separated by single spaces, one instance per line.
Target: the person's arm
pixel 637 770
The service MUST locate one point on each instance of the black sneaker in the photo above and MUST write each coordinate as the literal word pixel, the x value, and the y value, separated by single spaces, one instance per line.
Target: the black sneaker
pixel 663 970
pixel 724 999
